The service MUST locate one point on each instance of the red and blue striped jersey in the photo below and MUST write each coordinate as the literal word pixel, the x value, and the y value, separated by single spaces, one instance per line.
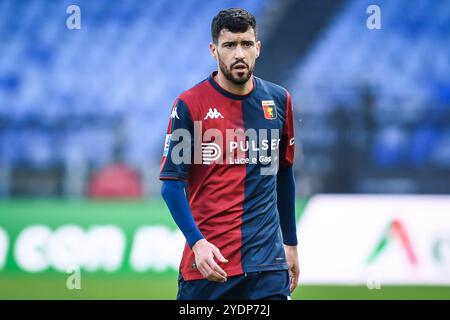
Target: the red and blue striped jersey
pixel 231 176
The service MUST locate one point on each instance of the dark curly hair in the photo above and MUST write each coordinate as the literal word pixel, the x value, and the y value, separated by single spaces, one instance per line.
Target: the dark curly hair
pixel 233 19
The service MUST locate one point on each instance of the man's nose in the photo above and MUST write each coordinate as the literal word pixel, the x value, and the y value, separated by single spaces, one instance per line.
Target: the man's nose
pixel 239 53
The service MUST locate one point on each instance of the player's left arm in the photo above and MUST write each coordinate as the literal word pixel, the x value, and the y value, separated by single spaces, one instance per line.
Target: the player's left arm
pixel 286 209
pixel 286 194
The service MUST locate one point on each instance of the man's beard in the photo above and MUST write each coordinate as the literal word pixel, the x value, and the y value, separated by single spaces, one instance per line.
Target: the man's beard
pixel 235 79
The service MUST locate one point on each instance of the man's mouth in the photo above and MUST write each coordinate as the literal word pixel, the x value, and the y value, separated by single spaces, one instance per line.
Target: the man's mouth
pixel 240 66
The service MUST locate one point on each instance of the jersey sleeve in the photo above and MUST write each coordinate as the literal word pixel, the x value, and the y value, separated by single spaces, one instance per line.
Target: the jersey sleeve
pixel 287 143
pixel 175 163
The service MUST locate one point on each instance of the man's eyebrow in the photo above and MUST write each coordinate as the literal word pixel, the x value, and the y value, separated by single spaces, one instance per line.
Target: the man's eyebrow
pixel 234 41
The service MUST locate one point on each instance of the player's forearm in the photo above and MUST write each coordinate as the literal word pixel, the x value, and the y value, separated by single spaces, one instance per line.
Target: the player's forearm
pixel 286 205
pixel 173 193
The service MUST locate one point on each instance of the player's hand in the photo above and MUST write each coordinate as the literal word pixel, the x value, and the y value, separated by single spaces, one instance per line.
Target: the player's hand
pixel 294 266
pixel 205 252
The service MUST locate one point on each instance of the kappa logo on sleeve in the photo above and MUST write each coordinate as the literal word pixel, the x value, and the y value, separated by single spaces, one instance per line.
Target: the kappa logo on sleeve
pixel 174 114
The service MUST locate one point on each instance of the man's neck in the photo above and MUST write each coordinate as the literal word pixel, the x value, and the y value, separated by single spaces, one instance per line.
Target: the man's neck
pixel 232 87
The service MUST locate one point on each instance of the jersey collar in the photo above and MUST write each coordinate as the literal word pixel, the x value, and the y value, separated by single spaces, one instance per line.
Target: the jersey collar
pixel 227 93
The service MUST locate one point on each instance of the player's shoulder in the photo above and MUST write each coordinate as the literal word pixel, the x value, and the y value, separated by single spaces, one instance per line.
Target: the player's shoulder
pixel 194 93
pixel 272 88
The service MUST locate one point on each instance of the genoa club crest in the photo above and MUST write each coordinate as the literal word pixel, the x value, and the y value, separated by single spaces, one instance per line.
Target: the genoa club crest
pixel 270 111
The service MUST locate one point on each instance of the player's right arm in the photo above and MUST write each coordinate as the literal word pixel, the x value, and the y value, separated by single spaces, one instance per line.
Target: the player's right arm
pixel 174 173
pixel 204 251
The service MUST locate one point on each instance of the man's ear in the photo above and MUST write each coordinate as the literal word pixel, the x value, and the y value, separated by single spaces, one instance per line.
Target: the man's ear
pixel 258 48
pixel 213 50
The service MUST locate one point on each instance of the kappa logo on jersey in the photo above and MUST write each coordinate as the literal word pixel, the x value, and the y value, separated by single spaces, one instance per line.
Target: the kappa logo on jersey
pixel 174 114
pixel 270 112
pixel 213 114
pixel 210 152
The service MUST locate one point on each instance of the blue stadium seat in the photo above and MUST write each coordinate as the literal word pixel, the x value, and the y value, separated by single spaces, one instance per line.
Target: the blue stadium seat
pixel 130 59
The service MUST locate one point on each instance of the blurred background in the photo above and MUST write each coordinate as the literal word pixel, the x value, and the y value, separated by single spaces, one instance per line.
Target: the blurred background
pixel 84 112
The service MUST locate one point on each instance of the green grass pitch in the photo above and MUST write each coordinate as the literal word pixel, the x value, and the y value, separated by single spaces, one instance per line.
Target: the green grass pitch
pixel 149 285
